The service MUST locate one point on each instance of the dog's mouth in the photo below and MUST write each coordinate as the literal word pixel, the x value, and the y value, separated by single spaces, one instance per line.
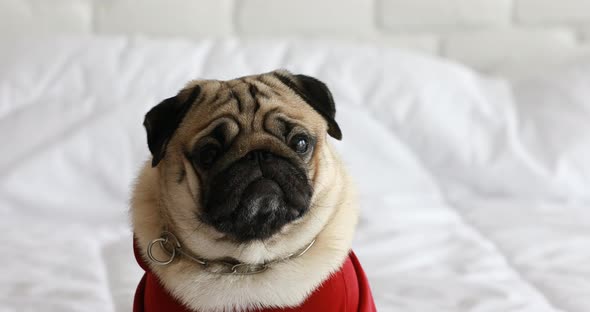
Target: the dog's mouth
pixel 262 210
pixel 254 203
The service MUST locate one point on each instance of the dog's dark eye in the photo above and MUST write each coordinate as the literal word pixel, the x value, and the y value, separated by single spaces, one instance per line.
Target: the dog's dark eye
pixel 208 154
pixel 300 144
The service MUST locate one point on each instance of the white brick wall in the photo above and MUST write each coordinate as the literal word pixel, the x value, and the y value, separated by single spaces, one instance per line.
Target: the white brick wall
pixel 487 34
pixel 553 11
pixel 35 17
pixel 490 49
pixel 192 18
pixel 304 17
pixel 436 15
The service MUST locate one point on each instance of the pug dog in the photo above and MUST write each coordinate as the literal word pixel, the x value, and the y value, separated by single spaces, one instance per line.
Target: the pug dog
pixel 244 205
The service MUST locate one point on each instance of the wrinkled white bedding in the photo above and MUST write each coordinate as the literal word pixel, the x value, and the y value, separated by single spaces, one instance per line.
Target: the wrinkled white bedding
pixel 474 191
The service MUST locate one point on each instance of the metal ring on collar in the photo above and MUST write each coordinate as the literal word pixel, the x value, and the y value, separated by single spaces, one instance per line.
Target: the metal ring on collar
pixel 247 269
pixel 162 241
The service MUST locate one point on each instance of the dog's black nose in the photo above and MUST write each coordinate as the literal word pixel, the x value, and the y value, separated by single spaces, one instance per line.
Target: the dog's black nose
pixel 259 155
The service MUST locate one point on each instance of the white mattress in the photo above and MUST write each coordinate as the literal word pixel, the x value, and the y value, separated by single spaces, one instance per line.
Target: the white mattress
pixel 474 191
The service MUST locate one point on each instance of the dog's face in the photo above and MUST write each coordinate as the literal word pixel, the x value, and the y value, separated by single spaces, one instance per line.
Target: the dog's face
pixel 239 156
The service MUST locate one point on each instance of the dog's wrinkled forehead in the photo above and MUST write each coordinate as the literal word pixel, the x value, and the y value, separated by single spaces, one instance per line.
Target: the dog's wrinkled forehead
pixel 273 102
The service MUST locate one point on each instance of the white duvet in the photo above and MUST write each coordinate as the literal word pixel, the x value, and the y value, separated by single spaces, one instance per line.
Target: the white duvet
pixel 474 191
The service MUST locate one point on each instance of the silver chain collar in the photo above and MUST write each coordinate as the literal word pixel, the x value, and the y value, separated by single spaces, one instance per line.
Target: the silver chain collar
pixel 171 247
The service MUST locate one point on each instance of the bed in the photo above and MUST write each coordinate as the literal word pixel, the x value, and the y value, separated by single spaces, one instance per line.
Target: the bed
pixel 474 189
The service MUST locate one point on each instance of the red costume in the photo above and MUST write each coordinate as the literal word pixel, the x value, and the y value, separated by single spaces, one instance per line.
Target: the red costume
pixel 345 291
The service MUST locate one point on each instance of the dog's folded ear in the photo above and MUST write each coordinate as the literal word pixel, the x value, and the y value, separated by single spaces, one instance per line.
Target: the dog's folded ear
pixel 316 94
pixel 162 121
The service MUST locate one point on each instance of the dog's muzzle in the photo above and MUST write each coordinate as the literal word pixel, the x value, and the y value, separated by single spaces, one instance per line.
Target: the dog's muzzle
pixel 256 196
